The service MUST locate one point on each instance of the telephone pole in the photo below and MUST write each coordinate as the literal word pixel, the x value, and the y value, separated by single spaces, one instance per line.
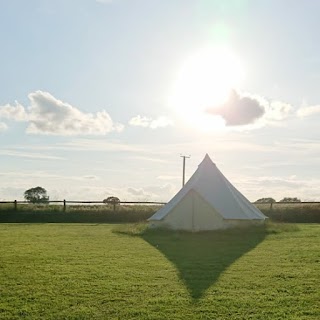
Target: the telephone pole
pixel 184 168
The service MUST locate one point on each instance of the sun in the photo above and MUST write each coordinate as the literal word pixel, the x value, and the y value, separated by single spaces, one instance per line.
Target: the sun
pixel 204 81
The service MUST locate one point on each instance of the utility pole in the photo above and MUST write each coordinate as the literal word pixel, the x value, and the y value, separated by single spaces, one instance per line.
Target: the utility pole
pixel 184 168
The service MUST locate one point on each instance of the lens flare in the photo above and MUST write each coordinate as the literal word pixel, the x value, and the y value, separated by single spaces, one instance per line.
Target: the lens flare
pixel 205 81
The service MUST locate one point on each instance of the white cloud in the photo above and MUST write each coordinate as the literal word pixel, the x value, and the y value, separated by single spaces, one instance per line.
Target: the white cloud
pixel 30 155
pixel 137 192
pixel 25 175
pixel 98 193
pixel 11 193
pixel 59 186
pixel 244 110
pixel 278 187
pixel 98 144
pixel 149 159
pixel 239 110
pixel 3 127
pixel 161 193
pixel 50 116
pixel 16 113
pixel 308 111
pixel 160 122
pixel 168 177
pixel 278 111
pixel 90 177
pixel 139 121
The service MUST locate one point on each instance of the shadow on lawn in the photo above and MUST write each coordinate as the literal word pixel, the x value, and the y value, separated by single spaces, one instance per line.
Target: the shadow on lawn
pixel 200 258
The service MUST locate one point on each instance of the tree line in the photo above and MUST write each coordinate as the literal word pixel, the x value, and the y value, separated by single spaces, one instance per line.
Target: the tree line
pixel 271 200
pixel 39 195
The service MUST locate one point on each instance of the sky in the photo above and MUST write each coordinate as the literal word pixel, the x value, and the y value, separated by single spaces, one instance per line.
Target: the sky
pixel 102 97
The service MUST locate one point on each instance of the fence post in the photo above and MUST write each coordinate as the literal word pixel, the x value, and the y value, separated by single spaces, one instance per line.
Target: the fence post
pixel 271 203
pixel 15 205
pixel 64 205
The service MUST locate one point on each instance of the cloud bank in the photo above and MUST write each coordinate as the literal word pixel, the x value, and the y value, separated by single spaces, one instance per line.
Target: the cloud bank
pixel 16 112
pixel 239 110
pixel 308 111
pixel 146 122
pixel 3 127
pixel 50 116
pixel 151 193
pixel 245 109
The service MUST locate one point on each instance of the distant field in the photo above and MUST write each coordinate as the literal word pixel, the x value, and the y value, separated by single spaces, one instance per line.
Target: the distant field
pixel 101 271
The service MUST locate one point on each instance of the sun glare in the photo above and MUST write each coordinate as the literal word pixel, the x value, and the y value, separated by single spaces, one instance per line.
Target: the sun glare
pixel 205 81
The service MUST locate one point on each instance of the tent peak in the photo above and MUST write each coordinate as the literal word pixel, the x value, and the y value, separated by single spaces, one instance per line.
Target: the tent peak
pixel 207 160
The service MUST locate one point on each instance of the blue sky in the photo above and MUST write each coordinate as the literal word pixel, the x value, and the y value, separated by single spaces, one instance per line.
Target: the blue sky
pixel 89 105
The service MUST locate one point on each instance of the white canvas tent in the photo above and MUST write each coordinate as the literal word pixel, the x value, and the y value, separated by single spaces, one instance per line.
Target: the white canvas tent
pixel 208 201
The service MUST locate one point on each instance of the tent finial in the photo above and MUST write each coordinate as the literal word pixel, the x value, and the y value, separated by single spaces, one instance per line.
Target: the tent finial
pixel 207 159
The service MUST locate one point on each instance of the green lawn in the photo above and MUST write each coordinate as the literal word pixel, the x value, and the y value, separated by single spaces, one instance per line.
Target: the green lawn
pixel 101 271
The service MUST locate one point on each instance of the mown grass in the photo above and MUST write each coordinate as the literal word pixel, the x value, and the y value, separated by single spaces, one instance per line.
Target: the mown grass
pixel 101 271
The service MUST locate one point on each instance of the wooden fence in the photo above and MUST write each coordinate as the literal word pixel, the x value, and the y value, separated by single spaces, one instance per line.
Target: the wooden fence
pixel 65 202
pixel 270 205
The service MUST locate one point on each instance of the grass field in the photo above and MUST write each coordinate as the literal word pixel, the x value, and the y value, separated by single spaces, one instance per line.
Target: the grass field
pixel 101 271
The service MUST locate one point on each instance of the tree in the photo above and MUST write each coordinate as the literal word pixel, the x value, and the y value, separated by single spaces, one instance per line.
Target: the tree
pixel 266 200
pixel 36 195
pixel 112 200
pixel 288 199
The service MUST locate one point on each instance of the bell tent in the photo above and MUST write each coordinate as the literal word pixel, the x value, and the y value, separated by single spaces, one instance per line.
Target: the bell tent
pixel 208 201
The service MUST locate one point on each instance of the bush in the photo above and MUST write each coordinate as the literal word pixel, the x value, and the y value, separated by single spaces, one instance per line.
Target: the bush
pixel 266 200
pixel 114 201
pixel 308 213
pixel 76 214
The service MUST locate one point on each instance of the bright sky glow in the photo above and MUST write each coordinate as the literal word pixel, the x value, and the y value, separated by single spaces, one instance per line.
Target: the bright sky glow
pixel 100 97
pixel 205 81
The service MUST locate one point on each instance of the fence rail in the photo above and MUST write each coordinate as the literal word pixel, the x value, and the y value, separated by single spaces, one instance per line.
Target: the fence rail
pixel 65 202
pixel 271 204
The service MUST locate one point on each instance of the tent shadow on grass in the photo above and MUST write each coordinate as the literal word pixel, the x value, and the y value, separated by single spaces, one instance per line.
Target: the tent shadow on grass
pixel 200 258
